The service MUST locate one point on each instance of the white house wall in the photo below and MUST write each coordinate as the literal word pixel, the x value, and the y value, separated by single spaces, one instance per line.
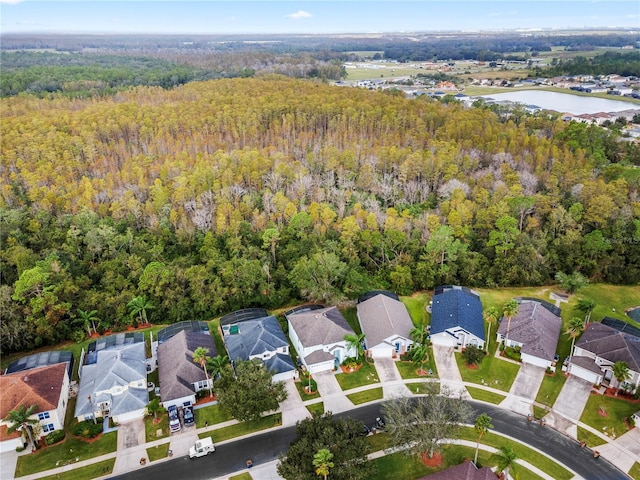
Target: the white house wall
pixel 281 377
pixel 540 362
pixel 179 402
pixel 444 339
pixel 10 445
pixel 322 367
pixel 584 374
pixel 129 416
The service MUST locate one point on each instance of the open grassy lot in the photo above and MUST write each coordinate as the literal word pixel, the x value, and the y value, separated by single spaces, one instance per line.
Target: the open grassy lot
pixel 550 388
pixel 366 396
pixel 94 470
pixel 635 471
pixel 485 396
pixel 210 415
pixel 365 375
pixel 71 450
pixel 417 307
pixel 316 408
pixel 611 301
pixel 492 371
pixel 589 438
pixel 617 410
pixel 244 428
pixel 151 429
pixel 158 452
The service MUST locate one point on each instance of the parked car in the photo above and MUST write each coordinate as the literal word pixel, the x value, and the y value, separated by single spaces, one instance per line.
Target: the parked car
pixel 202 447
pixel 187 415
pixel 174 419
pixel 365 430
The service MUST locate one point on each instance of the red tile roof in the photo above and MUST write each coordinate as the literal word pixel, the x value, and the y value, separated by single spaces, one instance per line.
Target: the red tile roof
pixel 38 386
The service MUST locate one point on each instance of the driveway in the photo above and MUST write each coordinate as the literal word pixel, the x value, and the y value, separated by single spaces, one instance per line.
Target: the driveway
pixel 8 462
pixel 448 370
pixel 292 408
pixel 334 399
pixel 131 446
pixel 524 389
pixel 392 384
pixel 568 408
pixel 624 451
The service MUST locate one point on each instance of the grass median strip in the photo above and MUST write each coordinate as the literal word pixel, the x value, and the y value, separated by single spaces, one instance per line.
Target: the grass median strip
pixel 485 396
pixel 239 429
pixel 591 439
pixel 316 408
pixel 210 416
pixel 635 471
pixel 366 396
pixel 491 372
pixel 550 389
pixel 158 452
pixel 94 470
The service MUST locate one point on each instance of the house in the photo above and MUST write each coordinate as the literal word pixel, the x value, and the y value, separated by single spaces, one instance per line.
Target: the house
pixel 47 387
pixel 463 471
pixel 252 333
pixel 114 385
pixel 42 359
pixel 535 329
pixel 317 333
pixel 456 317
pixel 180 377
pixel 386 324
pixel 598 348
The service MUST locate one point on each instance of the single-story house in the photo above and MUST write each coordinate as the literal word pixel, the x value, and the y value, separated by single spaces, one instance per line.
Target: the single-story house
pixel 115 385
pixel 463 471
pixel 456 317
pixel 47 387
pixel 535 329
pixel 598 348
pixel 386 324
pixel 257 336
pixel 318 336
pixel 180 377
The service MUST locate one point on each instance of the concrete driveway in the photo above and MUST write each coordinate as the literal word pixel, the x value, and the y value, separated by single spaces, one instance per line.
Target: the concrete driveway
pixel 334 399
pixel 524 389
pixel 568 408
pixel 624 451
pixel 292 408
pixel 392 384
pixel 448 370
pixel 131 446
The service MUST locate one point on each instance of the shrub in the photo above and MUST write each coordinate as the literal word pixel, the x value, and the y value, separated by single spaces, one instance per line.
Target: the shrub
pixel 350 362
pixel 19 449
pixel 87 429
pixel 472 355
pixel 312 382
pixel 54 437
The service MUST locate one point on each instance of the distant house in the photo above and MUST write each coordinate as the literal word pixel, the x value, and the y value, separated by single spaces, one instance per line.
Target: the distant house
pixel 47 387
pixel 115 385
pixel 535 329
pixel 386 324
pixel 317 333
pixel 598 348
pixel 456 317
pixel 252 333
pixel 180 377
pixel 463 471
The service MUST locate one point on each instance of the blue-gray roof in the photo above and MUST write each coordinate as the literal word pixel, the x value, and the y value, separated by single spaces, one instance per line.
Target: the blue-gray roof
pixel 255 337
pixel 457 308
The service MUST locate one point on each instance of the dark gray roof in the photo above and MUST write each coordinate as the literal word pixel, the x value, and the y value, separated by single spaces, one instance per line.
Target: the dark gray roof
pixel 374 293
pixel 318 356
pixel 176 368
pixel 611 344
pixel 188 325
pixel 382 317
pixel 621 326
pixel 43 359
pixel 242 315
pixel 319 327
pixel 456 307
pixel 279 363
pixel 537 328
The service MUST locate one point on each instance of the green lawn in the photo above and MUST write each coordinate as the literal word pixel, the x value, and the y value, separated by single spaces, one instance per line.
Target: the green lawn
pixel 539 412
pixel 417 307
pixel 408 369
pixel 550 388
pixel 303 394
pixel 210 416
pixel 365 375
pixel 591 439
pixel 635 471
pixel 67 451
pixel 616 409
pixel 243 428
pixel 158 452
pixel 485 396
pixel 366 396
pixel 608 298
pixel 242 476
pixel 496 373
pixel 151 429
pixel 316 408
pixel 94 470
pixel 350 314
pixel 155 378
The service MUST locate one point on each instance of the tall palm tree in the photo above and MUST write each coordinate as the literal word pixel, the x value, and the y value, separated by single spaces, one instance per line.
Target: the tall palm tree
pixel 89 319
pixel 506 460
pixel 355 341
pixel 20 421
pixel 138 306
pixel 621 372
pixel 575 328
pixel 217 365
pixel 482 426
pixel 322 462
pixel 200 356
pixel 586 305
pixel 509 310
pixel 491 316
pixel 419 334
pixel 420 355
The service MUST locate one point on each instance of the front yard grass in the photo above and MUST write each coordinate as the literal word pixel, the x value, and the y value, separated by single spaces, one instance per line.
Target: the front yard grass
pixel 422 388
pixel 417 307
pixel 316 408
pixel 151 429
pixel 550 388
pixel 635 471
pixel 158 452
pixel 94 470
pixel 408 369
pixel 365 375
pixel 242 476
pixel 485 396
pixel 68 451
pixel 491 372
pixel 243 428
pixel 210 415
pixel 617 410
pixel 591 439
pixel 366 396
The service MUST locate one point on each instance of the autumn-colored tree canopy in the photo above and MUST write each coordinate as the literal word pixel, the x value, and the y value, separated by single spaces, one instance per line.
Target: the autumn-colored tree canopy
pixel 231 193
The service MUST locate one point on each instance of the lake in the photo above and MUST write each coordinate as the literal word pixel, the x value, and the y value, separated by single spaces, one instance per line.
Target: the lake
pixel 564 102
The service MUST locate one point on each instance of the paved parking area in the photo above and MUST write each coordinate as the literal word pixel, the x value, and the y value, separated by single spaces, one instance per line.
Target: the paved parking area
pixel 292 408
pixel 569 406
pixel 524 389
pixel 334 399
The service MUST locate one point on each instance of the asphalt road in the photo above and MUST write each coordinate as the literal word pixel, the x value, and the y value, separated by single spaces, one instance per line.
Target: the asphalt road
pixel 266 447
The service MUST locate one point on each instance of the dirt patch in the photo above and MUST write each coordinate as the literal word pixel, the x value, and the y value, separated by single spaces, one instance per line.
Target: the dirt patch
pixel 472 366
pixel 603 413
pixel 434 461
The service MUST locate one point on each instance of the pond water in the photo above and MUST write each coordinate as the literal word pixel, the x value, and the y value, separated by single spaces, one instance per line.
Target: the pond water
pixel 565 102
pixel 635 314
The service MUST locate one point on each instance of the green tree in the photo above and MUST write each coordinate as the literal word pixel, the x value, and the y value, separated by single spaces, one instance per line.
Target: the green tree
pixel 419 334
pixel 355 341
pixel 509 310
pixel 444 248
pixel 572 282
pixel 89 320
pixel 19 420
pixel 482 426
pixel 251 392
pixel 155 408
pixel 574 329
pixel 348 447
pixel 506 459
pixel 320 277
pixel 504 236
pixel 201 357
pixel 491 315
pixel 270 238
pixel 420 355
pixel 138 307
pixel 472 355
pixel 586 305
pixel 322 462
pixel 621 373
pixel 218 365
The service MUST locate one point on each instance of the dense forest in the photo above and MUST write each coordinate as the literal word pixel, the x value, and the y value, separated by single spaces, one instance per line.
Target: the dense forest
pixel 623 63
pixel 230 193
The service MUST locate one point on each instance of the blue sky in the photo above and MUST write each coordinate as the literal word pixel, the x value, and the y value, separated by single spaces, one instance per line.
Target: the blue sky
pixel 290 16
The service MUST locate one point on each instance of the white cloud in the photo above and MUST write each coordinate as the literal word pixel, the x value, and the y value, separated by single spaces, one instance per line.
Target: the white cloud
pixel 299 14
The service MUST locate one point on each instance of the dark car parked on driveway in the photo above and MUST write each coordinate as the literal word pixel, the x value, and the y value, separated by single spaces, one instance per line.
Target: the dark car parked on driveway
pixel 187 415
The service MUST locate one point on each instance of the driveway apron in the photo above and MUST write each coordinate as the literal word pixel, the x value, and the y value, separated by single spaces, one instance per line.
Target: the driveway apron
pixel 131 446
pixel 392 384
pixel 524 389
pixel 334 399
pixel 292 408
pixel 448 370
pixel 568 408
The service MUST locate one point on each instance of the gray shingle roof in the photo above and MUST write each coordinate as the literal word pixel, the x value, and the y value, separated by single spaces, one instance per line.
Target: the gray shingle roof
pixel 325 326
pixel 611 344
pixel 457 307
pixel 382 317
pixel 536 328
pixel 176 368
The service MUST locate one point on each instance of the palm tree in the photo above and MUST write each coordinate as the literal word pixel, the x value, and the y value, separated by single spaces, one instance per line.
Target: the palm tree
pixel 20 421
pixel 217 365
pixel 491 316
pixel 575 328
pixel 322 462
pixel 482 426
pixel 621 372
pixel 509 310
pixel 200 356
pixel 506 460
pixel 420 355
pixel 138 306
pixel 586 305
pixel 89 319
pixel 355 341
pixel 419 334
